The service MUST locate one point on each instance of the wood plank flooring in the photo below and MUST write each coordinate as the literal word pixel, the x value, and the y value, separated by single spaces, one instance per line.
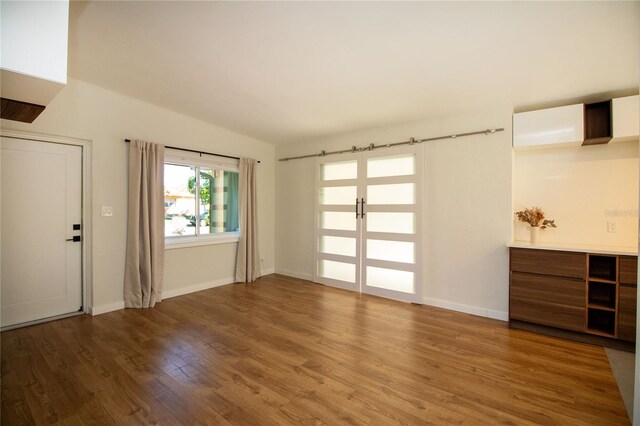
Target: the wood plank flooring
pixel 286 351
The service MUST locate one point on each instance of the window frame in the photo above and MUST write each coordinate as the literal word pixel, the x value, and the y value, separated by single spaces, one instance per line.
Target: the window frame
pixel 180 158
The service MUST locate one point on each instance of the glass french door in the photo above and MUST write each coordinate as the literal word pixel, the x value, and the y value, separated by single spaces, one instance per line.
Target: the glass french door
pixel 368 233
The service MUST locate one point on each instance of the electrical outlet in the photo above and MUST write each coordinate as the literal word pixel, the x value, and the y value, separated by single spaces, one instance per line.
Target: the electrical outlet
pixel 107 211
pixel 612 227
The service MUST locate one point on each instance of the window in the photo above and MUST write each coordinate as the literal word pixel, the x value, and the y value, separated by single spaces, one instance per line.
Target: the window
pixel 201 200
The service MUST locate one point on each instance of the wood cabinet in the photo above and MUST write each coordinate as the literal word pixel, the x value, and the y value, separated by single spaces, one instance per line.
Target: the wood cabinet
pixel 549 262
pixel 589 293
pixel 627 313
pixel 547 300
pixel 627 299
pixel 613 120
pixel 548 288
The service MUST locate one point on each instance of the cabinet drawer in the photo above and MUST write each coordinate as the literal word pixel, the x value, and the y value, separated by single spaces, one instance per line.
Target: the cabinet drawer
pixel 628 270
pixel 542 288
pixel 548 262
pixel 627 313
pixel 550 314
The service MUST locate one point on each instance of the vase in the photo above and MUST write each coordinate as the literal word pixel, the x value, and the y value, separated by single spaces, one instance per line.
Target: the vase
pixel 534 234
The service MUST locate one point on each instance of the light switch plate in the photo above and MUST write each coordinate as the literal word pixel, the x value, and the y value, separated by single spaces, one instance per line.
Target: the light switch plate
pixel 107 210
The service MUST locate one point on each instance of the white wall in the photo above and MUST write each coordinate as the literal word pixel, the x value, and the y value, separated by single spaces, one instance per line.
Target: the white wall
pixel 581 188
pixel 467 208
pixel 85 111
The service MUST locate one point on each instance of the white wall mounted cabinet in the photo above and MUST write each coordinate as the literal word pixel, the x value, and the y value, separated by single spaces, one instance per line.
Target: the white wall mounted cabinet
pixel 626 119
pixel 546 128
pixel 34 50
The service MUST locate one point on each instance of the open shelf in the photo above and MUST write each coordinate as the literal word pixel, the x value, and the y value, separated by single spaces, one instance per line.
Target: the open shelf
pixel 603 268
pixel 602 281
pixel 602 295
pixel 602 321
pixel 597 123
pixel 601 307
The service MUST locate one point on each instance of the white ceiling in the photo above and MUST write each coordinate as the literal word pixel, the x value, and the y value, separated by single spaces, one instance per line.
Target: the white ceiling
pixel 291 71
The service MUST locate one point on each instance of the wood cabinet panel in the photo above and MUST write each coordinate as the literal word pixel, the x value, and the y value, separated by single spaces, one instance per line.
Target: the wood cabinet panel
pixel 548 262
pixel 627 313
pixel 562 291
pixel 550 314
pixel 628 270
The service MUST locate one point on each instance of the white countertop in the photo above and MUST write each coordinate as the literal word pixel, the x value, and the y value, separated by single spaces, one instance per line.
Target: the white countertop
pixel 630 251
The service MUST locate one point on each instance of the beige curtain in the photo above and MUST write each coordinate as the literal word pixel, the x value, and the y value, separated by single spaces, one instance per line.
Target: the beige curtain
pixel 144 265
pixel 248 257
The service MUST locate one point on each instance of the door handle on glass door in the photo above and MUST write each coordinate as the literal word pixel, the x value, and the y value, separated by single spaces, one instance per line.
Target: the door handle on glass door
pixel 357 201
pixel 362 209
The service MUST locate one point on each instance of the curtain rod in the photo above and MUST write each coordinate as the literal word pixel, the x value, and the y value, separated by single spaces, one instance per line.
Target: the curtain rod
pixel 197 152
pixel 411 141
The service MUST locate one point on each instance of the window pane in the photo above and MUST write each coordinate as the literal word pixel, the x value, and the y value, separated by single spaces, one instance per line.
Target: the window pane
pixel 218 201
pixel 391 166
pixel 338 220
pixel 337 171
pixel 394 251
pixel 338 245
pixel 390 279
pixel 402 223
pixel 400 193
pixel 337 270
pixel 343 195
pixel 179 200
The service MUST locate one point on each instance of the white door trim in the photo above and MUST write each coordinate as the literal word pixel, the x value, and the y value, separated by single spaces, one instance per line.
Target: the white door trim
pixel 87 271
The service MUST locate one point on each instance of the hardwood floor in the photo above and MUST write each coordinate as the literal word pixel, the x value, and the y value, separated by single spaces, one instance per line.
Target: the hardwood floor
pixel 285 351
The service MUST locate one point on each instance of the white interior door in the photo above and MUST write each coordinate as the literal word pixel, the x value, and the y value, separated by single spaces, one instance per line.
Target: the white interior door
pixel 368 221
pixel 337 229
pixel 41 203
pixel 391 223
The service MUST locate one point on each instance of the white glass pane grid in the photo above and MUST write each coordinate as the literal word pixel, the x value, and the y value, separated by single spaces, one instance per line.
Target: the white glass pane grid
pixel 391 205
pixel 390 274
pixel 390 243
pixel 391 251
pixel 389 279
pixel 339 170
pixel 337 230
pixel 395 165
pixel 338 271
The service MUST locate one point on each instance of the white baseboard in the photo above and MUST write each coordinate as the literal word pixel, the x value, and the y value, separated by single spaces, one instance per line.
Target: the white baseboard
pixel 268 271
pixel 167 294
pixel 467 309
pixel 294 274
pixel 103 309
